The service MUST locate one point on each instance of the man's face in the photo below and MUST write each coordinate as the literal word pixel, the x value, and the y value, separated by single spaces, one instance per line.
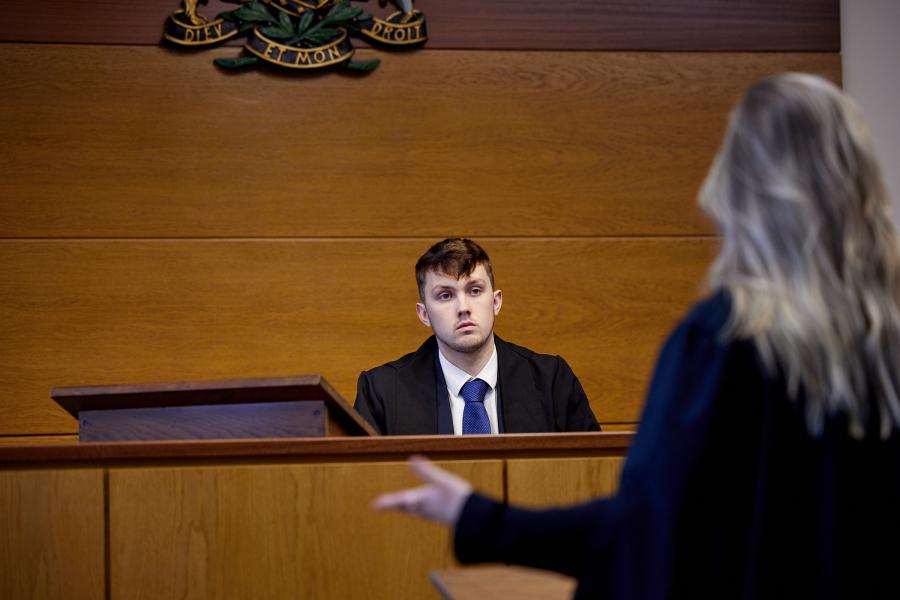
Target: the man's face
pixel 460 311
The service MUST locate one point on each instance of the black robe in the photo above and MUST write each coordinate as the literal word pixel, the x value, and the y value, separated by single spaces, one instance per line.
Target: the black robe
pixel 724 494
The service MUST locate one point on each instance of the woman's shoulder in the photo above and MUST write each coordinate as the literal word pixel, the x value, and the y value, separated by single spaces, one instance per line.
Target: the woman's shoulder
pixel 709 315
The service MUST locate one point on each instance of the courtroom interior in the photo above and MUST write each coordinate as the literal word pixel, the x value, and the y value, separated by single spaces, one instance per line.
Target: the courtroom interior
pixel 176 232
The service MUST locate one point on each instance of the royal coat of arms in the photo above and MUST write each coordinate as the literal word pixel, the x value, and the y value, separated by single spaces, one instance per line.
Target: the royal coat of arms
pixel 297 34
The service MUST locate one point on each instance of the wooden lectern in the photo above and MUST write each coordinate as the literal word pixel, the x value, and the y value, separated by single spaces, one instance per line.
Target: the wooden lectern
pixel 303 406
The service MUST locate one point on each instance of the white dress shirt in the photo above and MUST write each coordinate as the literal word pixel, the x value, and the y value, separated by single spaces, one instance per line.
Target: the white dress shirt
pixel 456 378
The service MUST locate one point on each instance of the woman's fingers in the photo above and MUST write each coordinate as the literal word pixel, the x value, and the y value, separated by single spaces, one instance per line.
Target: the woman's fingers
pixel 440 499
pixel 428 472
pixel 409 500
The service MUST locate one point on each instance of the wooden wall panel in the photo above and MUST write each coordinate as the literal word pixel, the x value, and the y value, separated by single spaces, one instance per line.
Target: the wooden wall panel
pixel 103 312
pixel 274 532
pixel 521 24
pixel 25 440
pixel 52 535
pixel 263 224
pixel 97 142
pixel 646 25
pixel 561 481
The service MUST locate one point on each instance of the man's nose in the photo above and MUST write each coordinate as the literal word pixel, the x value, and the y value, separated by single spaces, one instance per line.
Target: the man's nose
pixel 463 305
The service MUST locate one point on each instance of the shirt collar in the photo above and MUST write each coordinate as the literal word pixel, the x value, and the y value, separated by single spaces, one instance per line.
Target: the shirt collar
pixel 456 377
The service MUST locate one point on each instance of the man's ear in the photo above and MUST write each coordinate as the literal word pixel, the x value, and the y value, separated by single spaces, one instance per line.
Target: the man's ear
pixel 422 313
pixel 498 301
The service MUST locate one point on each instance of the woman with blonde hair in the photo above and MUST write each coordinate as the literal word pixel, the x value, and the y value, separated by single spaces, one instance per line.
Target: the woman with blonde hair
pixel 767 463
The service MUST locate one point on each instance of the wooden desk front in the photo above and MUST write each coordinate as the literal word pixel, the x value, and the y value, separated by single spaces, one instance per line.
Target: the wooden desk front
pixel 260 518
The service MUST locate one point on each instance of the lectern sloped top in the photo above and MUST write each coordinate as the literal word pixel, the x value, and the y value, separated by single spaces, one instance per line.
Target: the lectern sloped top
pixel 297 406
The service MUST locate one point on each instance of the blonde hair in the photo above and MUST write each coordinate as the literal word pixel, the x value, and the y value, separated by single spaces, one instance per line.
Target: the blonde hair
pixel 809 254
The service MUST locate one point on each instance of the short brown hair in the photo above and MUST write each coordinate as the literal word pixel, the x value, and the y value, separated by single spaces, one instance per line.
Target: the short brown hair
pixel 456 257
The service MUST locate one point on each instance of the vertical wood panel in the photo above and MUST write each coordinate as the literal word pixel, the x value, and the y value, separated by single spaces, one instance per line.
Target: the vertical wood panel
pixel 303 531
pixel 52 535
pixel 561 481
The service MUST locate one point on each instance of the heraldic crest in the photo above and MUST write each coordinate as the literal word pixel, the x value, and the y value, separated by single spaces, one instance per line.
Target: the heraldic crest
pixel 297 34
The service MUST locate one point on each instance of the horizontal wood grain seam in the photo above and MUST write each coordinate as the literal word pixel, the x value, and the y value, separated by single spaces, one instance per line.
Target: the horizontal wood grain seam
pixel 307 238
pixel 461 49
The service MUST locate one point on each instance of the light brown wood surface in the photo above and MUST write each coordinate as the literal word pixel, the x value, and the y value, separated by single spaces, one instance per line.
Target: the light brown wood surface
pixel 52 535
pixel 291 524
pixel 267 225
pixel 24 440
pixel 151 142
pixel 106 312
pixel 620 427
pixel 561 481
pixel 502 583
pixel 281 531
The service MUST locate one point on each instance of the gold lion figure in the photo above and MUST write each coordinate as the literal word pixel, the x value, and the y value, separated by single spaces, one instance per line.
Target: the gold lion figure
pixel 190 11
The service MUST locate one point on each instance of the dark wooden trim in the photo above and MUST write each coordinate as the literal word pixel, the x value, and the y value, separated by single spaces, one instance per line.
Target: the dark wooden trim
pixel 191 393
pixel 302 418
pixel 661 25
pixel 322 449
pixel 106 399
pixel 799 25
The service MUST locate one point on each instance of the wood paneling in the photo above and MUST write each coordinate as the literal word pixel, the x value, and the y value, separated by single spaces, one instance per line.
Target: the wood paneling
pixel 503 583
pixel 620 428
pixel 42 440
pixel 472 24
pixel 561 481
pixel 100 142
pixel 274 532
pixel 107 312
pixel 52 534
pixel 624 25
pixel 164 220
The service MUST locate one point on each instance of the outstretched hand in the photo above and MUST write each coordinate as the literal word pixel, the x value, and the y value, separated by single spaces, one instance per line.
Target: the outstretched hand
pixel 440 499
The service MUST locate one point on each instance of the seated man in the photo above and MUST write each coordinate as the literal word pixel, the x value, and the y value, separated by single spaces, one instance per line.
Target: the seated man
pixel 464 379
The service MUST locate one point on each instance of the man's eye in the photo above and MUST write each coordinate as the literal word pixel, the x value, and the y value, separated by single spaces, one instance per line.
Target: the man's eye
pixel 475 291
pixel 443 296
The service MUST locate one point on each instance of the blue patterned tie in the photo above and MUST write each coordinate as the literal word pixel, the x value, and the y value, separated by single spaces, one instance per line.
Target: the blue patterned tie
pixel 475 418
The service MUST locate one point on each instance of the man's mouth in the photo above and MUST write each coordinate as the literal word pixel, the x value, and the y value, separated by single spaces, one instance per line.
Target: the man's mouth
pixel 465 325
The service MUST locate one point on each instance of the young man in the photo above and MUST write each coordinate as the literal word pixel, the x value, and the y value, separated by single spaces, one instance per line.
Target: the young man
pixel 464 379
